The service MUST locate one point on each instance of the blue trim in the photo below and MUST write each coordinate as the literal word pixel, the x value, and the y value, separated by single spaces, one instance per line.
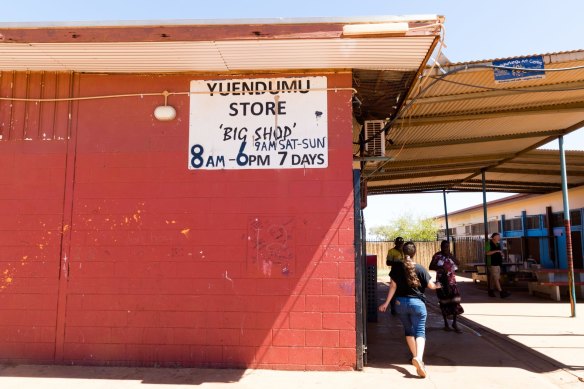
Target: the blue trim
pixel 524 222
pixel 559 240
pixel 545 260
pixel 581 229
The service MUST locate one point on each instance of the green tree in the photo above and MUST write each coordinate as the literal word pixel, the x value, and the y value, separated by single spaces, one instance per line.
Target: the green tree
pixel 407 226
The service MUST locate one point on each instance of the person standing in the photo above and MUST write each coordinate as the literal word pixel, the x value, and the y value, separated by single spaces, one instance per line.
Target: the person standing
pixel 494 261
pixel 395 255
pixel 409 281
pixel 448 296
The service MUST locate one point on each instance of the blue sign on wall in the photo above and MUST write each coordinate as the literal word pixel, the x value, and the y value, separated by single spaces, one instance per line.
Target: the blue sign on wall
pixel 507 75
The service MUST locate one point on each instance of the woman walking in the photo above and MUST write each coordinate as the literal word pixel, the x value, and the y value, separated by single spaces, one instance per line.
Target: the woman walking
pixel 445 265
pixel 409 280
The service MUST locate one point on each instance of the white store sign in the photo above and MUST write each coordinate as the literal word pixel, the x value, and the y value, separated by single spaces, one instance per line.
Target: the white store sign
pixel 258 123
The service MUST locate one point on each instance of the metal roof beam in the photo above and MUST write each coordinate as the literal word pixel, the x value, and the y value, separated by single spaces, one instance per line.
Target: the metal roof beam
pixel 569 86
pixel 538 172
pixel 504 190
pixel 543 110
pixel 527 149
pixel 544 160
pixel 553 153
pixel 577 160
pixel 435 185
pixel 386 176
pixel 493 138
pixel 438 168
pixel 444 161
pixel 425 188
pixel 519 187
pixel 514 182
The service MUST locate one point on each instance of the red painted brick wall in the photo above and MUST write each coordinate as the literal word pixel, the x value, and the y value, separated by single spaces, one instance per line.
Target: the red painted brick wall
pixel 161 259
pixel 32 176
pixel 31 211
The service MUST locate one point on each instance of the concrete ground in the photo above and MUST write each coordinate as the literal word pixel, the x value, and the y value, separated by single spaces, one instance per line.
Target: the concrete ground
pixel 520 341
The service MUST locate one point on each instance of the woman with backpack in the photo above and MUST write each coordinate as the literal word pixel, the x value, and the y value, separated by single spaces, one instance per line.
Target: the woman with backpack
pixel 408 283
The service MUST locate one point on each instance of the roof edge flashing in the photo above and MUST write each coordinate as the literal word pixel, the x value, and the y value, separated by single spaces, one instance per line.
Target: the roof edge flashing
pixel 216 22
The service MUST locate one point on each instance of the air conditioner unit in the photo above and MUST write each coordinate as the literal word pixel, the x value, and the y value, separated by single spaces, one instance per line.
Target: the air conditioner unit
pixel 376 147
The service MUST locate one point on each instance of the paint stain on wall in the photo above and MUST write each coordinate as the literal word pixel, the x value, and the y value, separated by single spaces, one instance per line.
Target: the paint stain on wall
pixel 7 277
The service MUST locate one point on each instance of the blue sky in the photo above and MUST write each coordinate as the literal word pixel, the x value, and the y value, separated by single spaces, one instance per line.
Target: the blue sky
pixel 474 30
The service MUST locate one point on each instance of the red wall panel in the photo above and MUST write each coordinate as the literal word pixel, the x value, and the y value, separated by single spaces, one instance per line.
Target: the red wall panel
pixel 31 214
pixel 162 268
pixel 33 155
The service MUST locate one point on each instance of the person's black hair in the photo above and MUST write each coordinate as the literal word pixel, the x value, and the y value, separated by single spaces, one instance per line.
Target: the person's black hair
pixel 409 249
pixel 494 234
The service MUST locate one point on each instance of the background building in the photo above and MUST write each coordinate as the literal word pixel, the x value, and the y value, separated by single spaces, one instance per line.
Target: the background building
pixel 532 226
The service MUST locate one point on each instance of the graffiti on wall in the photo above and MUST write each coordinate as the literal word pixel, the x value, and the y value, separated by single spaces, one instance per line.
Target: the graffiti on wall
pixel 270 246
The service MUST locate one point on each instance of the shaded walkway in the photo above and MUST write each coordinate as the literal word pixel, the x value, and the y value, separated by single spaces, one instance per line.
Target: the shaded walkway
pixel 493 348
pixel 539 324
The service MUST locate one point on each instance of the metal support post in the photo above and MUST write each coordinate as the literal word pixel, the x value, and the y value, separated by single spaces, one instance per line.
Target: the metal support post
pixel 446 215
pixel 486 225
pixel 567 229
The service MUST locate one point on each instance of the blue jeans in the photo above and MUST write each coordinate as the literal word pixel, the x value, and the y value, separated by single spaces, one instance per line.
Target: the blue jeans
pixel 412 313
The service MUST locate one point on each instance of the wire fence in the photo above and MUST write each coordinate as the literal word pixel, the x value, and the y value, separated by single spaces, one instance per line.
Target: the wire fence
pixel 469 250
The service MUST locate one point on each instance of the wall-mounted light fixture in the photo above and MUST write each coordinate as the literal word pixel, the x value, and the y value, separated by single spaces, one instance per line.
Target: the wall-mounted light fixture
pixel 165 112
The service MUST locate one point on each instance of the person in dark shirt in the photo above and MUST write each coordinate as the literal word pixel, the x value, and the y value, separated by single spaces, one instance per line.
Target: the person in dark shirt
pixel 409 280
pixel 494 262
pixel 445 265
pixel 395 255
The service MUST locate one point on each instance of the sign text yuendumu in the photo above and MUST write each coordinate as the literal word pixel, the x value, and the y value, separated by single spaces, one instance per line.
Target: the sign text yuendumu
pixel 260 123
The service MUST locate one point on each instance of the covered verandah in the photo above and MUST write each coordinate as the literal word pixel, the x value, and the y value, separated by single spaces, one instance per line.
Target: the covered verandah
pixel 475 126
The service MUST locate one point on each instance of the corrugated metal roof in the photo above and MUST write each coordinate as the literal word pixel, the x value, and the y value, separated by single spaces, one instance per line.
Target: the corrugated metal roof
pixel 436 129
pixel 500 103
pixel 464 122
pixel 213 46
pixel 390 53
pixel 384 64
pixel 379 92
pixel 557 56
pixel 476 91
pixel 470 149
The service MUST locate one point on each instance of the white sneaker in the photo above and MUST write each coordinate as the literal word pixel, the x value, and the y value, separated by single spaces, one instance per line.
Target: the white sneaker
pixel 420 367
